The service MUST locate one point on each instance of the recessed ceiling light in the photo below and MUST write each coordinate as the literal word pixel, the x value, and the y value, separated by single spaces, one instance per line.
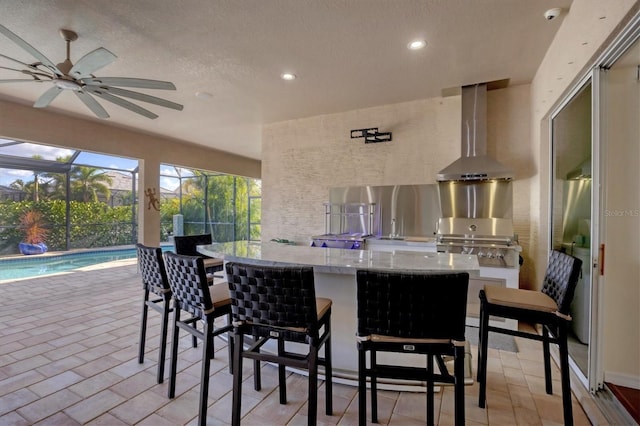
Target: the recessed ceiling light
pixel 417 44
pixel 203 95
pixel 288 76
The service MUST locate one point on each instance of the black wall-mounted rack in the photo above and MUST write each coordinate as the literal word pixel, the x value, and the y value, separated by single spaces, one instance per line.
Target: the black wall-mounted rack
pixel 371 135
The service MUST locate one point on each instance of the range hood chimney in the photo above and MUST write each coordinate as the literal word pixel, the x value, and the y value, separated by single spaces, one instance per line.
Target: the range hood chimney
pixel 474 164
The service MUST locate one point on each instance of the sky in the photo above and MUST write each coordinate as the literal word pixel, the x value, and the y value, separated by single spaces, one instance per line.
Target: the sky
pixel 28 150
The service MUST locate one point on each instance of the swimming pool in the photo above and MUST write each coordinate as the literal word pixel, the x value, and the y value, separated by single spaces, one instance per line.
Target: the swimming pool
pixel 35 266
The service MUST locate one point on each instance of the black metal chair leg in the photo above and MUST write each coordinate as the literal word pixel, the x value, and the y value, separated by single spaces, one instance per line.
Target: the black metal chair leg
pixel 481 327
pixel 482 358
pixel 328 373
pixel 430 391
pixel 236 405
pixel 143 327
pixel 282 378
pixel 362 387
pixel 257 374
pixel 312 411
pixel 458 368
pixel 547 361
pixel 565 375
pixel 162 354
pixel 174 353
pixel 230 343
pixel 374 387
pixel 204 374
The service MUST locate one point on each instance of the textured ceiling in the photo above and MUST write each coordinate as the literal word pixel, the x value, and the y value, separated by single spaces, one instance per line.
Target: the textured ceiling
pixel 347 54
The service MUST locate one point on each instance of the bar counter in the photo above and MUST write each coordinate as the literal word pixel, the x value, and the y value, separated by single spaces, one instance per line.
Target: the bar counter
pixel 334 275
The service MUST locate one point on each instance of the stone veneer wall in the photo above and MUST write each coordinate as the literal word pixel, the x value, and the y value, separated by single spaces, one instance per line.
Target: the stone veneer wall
pixel 303 158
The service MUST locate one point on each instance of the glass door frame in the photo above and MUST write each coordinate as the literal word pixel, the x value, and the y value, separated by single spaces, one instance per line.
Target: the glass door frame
pixel 596 75
pixel 586 80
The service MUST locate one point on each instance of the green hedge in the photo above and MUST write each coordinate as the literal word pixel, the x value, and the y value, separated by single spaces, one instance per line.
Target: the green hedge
pixel 93 224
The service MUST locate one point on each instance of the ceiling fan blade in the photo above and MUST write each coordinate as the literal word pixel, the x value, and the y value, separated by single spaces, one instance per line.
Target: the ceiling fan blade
pixel 35 76
pixel 91 62
pixel 140 83
pixel 92 104
pixel 45 99
pixel 16 61
pixel 121 102
pixel 142 97
pixel 21 80
pixel 15 69
pixel 30 49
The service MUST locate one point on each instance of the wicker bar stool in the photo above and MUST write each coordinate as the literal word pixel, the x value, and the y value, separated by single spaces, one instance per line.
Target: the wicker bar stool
pixel 187 246
pixel 549 308
pixel 157 295
pixel 414 313
pixel 202 303
pixel 280 303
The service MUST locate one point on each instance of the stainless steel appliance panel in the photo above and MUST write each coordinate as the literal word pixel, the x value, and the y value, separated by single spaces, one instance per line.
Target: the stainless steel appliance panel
pixel 402 210
pixel 476 199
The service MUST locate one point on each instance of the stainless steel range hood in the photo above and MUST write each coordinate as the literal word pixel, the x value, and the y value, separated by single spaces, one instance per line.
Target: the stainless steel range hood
pixel 474 164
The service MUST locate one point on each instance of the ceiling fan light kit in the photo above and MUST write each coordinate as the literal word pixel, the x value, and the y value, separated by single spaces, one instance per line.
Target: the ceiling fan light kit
pixel 79 79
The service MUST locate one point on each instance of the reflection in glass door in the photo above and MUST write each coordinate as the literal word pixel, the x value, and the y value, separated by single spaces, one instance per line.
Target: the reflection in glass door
pixel 571 208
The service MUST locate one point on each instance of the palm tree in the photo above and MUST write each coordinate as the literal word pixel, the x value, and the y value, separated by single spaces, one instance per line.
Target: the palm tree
pixel 89 182
pixel 55 185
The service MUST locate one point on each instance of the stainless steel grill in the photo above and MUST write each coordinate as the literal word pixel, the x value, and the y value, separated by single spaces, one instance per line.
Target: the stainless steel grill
pixel 491 239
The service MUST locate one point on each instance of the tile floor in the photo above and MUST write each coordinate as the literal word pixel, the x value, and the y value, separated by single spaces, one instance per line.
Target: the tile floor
pixel 68 355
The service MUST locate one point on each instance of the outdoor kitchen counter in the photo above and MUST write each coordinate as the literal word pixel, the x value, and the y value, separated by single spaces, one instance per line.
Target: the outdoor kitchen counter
pixel 334 275
pixel 339 261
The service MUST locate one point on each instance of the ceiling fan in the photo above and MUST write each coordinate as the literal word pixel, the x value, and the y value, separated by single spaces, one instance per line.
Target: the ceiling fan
pixel 79 79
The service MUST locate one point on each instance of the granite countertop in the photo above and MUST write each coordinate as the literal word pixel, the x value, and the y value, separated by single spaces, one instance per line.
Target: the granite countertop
pixel 340 261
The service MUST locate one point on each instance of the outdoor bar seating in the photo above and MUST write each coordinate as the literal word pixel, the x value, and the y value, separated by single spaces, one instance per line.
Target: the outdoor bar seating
pixel 411 313
pixel 157 295
pixel 194 297
pixel 187 245
pixel 549 308
pixel 279 303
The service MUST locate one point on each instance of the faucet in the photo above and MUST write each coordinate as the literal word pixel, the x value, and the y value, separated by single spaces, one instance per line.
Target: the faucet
pixel 393 229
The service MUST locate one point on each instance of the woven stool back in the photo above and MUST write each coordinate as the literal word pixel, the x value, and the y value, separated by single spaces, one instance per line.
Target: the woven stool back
pixel 274 300
pixel 188 282
pixel 412 305
pixel 561 279
pixel 186 244
pixel 154 276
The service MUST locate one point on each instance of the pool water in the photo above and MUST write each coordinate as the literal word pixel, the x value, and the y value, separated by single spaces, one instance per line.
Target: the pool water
pixel 35 266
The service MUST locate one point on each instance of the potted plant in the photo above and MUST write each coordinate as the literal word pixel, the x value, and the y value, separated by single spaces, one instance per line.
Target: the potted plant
pixel 32 226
